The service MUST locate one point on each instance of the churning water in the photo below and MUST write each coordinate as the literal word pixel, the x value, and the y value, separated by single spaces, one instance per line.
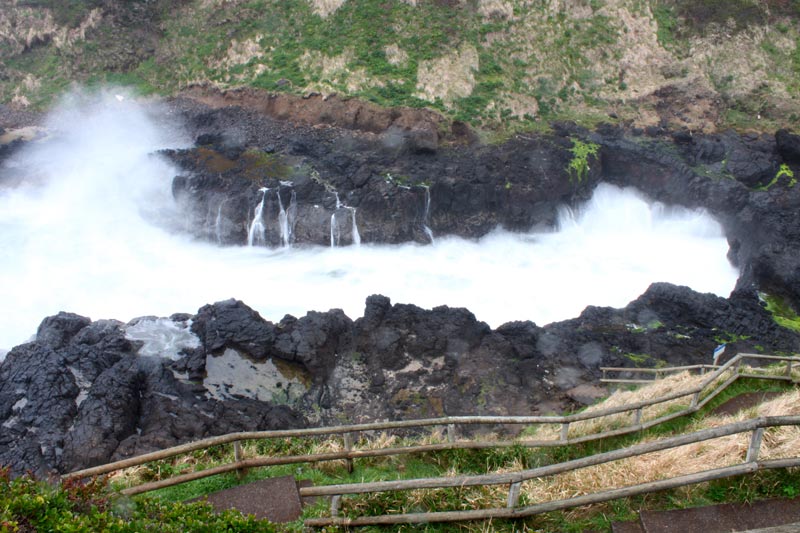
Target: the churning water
pixel 87 224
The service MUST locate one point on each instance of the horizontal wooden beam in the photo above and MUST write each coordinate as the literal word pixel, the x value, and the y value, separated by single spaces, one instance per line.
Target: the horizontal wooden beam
pixel 576 464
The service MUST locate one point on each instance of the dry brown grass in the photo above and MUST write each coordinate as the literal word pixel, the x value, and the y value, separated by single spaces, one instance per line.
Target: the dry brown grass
pixel 621 398
pixel 717 453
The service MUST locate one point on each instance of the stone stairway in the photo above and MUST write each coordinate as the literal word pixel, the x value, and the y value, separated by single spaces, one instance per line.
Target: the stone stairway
pixel 767 516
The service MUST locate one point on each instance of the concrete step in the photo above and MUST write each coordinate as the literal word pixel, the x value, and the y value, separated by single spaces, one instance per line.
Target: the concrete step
pixel 276 499
pixel 788 528
pixel 723 518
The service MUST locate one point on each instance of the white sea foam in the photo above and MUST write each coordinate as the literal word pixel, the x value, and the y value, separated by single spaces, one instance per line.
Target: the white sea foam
pixel 162 337
pixel 93 230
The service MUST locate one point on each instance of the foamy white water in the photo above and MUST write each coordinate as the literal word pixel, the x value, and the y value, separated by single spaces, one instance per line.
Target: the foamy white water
pixel 88 232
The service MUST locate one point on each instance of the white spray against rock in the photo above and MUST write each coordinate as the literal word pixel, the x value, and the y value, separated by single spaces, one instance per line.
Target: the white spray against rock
pixel 91 231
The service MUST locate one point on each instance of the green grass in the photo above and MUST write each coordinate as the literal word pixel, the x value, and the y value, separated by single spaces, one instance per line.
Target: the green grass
pixel 782 312
pixel 783 172
pixel 30 505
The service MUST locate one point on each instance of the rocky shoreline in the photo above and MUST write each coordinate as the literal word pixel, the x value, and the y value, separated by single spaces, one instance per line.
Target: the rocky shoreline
pixel 86 392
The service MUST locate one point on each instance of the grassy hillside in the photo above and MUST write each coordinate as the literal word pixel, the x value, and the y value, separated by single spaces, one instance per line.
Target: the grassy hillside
pixel 494 63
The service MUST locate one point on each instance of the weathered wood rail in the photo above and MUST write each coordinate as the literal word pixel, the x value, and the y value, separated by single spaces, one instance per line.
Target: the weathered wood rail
pixel 652 373
pixel 697 397
pixel 514 480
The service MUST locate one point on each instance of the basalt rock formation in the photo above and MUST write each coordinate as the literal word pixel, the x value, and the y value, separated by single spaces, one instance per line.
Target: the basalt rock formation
pixel 382 180
pixel 83 392
pixel 80 395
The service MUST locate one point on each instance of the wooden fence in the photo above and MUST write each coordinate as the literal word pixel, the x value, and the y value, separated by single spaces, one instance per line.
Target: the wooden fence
pixel 697 397
pixel 514 479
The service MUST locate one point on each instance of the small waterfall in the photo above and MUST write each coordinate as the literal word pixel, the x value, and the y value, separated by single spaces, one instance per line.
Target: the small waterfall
pixel 257 232
pixel 427 213
pixel 356 236
pixel 283 221
pixel 218 223
pixel 291 218
pixel 335 235
pixel 336 232
pixel 286 218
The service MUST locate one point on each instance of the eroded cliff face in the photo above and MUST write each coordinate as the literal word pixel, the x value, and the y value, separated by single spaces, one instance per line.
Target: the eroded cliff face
pixel 458 186
pixel 685 63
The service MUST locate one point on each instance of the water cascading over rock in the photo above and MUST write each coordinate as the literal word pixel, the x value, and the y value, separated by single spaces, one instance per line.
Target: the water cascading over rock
pixel 337 222
pixel 426 215
pixel 256 233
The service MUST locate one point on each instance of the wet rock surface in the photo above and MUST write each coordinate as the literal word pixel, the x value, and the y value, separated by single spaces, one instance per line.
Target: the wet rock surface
pixel 395 189
pixel 81 394
pixel 333 176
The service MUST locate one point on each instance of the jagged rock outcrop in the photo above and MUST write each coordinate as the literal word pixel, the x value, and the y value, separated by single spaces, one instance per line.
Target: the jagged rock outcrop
pixel 736 179
pixel 83 394
pixel 80 395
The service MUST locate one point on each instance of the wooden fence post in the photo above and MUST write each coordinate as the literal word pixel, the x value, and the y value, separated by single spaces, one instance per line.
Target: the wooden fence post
pixel 755 445
pixel 513 494
pixel 564 432
pixel 451 433
pixel 348 446
pixel 237 456
pixel 637 417
pixel 335 501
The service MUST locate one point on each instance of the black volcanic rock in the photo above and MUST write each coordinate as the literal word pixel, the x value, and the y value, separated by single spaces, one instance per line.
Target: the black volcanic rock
pixel 231 324
pixel 313 340
pixel 56 331
pixel 753 164
pixel 384 177
pixel 788 145
pixel 81 395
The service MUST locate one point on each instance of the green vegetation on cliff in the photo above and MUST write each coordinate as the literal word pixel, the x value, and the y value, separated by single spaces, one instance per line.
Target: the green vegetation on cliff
pixel 494 63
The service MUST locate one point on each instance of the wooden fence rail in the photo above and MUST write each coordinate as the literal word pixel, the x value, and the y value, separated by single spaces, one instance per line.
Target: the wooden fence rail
pixel 565 422
pixel 751 464
pixel 653 373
